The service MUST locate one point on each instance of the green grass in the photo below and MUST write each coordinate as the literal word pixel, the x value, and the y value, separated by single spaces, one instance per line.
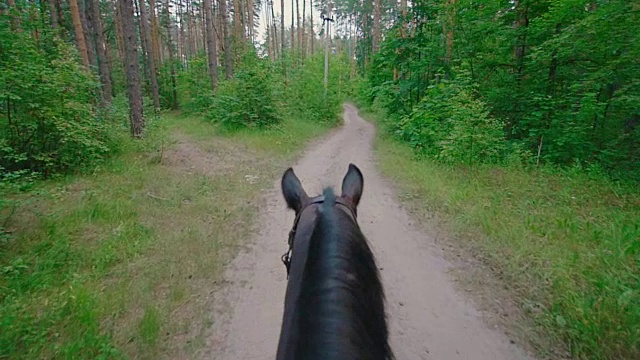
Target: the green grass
pixel 566 244
pixel 120 263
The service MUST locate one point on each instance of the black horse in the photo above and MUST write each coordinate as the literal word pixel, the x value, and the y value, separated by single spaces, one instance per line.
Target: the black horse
pixel 334 304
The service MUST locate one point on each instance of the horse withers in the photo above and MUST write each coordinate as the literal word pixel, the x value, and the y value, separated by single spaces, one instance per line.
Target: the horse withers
pixel 334 302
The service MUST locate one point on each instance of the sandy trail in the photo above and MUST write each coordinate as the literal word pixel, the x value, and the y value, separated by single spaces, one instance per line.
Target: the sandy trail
pixel 428 317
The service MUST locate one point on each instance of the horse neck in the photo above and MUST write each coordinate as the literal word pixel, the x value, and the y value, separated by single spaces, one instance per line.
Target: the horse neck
pixel 336 307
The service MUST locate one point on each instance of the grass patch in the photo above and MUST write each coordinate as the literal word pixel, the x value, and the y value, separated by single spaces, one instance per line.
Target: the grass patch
pixel 120 263
pixel 567 244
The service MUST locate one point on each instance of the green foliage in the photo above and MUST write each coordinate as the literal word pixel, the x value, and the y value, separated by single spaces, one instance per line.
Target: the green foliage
pixel 48 123
pixel 194 87
pixel 304 93
pixel 247 100
pixel 560 74
pixel 453 126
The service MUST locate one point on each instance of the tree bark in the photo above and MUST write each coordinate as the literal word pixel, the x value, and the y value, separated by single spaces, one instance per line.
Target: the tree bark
pixel 293 39
pixel 172 68
pixel 312 34
pixel 118 25
pixel 227 41
pixel 132 69
pixel 87 28
pixel 77 26
pixel 237 22
pixel 282 46
pixel 151 64
pixel 250 19
pixel 101 46
pixel 450 23
pixel 304 28
pixel 274 28
pixel 155 41
pixel 211 45
pixel 182 51
pixel 375 41
pixel 298 25
pixel 53 14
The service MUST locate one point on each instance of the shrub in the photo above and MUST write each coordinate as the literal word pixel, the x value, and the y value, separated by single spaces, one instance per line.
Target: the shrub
pixel 246 101
pixel 453 126
pixel 48 123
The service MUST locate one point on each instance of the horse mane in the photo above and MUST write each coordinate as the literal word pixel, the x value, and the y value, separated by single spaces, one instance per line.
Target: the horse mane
pixel 341 304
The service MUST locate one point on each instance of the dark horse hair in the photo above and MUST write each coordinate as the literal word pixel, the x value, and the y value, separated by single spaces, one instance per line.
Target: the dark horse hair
pixel 334 305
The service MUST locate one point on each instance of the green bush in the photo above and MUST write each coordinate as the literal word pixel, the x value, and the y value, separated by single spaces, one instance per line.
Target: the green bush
pixel 453 126
pixel 247 100
pixel 194 87
pixel 48 123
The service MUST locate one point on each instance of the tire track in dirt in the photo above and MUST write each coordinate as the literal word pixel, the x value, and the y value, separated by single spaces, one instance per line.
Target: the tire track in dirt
pixel 428 317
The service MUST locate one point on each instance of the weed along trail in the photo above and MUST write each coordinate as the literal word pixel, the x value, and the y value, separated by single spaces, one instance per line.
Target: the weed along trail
pixel 429 318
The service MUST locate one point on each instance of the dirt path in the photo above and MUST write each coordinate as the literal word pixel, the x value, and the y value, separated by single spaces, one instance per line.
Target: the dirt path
pixel 429 318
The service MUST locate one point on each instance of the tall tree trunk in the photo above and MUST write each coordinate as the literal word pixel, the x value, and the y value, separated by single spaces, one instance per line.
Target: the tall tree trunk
pixel 250 20
pixel 132 70
pixel 211 45
pixel 172 68
pixel 282 46
pixel 119 33
pixel 237 22
pixel 77 26
pixel 274 28
pixel 227 41
pixel 293 39
pixel 298 25
pixel 375 41
pixel 182 43
pixel 151 64
pixel 312 34
pixel 53 14
pixel 449 25
pixel 155 34
pixel 304 28
pixel 520 25
pixel 101 51
pixel 87 28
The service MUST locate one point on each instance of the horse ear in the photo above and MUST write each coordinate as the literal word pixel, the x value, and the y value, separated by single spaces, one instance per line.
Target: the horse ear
pixel 352 184
pixel 292 190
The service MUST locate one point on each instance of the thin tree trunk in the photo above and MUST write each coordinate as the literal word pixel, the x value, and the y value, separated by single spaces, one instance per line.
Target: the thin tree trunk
pixel 155 41
pixel 293 39
pixel 312 34
pixel 119 32
pixel 182 42
pixel 274 28
pixel 87 28
pixel 211 45
pixel 237 23
pixel 250 20
pixel 132 70
pixel 304 28
pixel 449 25
pixel 298 25
pixel 101 47
pixel 172 69
pixel 227 41
pixel 53 13
pixel 282 28
pixel 151 64
pixel 77 26
pixel 375 41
